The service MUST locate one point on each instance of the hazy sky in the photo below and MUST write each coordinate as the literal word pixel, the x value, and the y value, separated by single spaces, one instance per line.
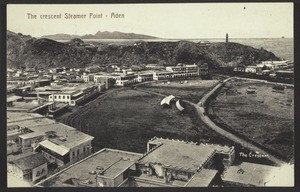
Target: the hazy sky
pixel 197 20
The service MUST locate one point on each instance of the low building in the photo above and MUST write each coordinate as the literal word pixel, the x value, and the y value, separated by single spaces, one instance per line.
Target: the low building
pixel 105 168
pixel 239 69
pixel 175 163
pixel 59 143
pixel 145 76
pixel 108 82
pixel 73 94
pixel 252 69
pixel 162 75
pixel 249 175
pixel 12 99
pixel 42 82
pixel 155 66
pixel 31 167
pixel 183 70
pixel 23 90
pixel 204 43
pixel 87 77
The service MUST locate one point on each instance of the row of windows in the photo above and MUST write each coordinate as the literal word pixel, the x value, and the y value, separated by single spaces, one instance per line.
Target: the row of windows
pixel 61 97
pixel 84 149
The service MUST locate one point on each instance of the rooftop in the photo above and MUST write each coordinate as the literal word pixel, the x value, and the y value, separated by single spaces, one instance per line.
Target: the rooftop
pixel 29 162
pixel 33 122
pixel 203 178
pixel 13 98
pixel 179 155
pixel 68 88
pixel 71 137
pixel 250 174
pixel 41 125
pixel 25 105
pixel 108 161
pixel 19 116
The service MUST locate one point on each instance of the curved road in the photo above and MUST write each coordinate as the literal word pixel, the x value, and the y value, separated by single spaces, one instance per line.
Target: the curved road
pixel 201 112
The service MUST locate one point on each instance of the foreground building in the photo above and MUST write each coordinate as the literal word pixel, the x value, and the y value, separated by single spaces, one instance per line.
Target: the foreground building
pixel 58 143
pixel 167 163
pixel 30 167
pixel 249 175
pixel 105 168
pixel 178 163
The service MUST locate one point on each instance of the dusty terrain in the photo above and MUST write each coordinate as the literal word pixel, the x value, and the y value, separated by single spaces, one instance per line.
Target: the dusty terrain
pixel 265 117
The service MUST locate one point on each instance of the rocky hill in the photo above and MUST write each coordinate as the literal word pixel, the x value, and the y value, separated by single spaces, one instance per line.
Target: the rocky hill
pixel 100 35
pixel 44 53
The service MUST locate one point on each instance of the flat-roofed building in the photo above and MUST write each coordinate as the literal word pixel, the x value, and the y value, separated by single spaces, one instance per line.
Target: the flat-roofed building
pixel 175 162
pixel 87 77
pixel 145 76
pixel 58 142
pixel 162 75
pixel 108 82
pixel 120 79
pixel 183 70
pixel 205 178
pixel 73 94
pixel 155 66
pixel 105 168
pixel 252 69
pixel 249 175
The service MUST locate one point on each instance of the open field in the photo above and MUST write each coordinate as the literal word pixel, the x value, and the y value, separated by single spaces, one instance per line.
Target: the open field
pixel 192 89
pixel 126 119
pixel 265 117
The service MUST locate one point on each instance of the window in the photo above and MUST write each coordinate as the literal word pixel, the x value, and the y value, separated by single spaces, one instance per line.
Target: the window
pixel 59 97
pixel 73 153
pixel 67 97
pixel 83 149
pixel 63 97
pixel 77 152
pixel 55 97
pixel 38 174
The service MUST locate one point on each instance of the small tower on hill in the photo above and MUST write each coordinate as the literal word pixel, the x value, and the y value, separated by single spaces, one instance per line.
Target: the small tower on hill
pixel 226 37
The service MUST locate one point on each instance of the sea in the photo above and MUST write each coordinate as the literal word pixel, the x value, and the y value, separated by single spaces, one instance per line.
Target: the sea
pixel 281 47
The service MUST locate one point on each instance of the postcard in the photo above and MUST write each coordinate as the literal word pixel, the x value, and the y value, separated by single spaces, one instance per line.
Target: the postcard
pixel 150 95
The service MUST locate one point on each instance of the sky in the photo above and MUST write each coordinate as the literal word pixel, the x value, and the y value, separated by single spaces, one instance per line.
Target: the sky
pixel 182 20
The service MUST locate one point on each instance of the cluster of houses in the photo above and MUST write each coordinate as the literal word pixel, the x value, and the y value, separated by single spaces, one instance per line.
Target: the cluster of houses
pixel 49 91
pixel 274 69
pixel 36 145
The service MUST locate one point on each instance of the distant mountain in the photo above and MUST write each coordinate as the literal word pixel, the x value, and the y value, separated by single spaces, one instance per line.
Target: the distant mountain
pixel 100 35
pixel 26 51
pixel 61 36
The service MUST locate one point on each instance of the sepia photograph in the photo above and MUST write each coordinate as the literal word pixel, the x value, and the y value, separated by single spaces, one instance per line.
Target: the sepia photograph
pixel 150 95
